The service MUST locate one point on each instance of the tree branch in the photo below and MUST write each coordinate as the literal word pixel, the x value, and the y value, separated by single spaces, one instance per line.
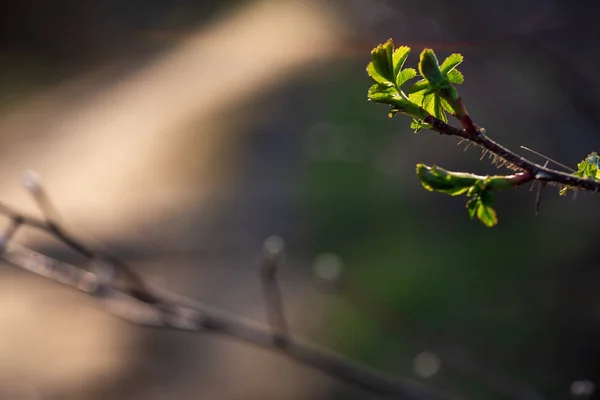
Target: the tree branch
pixel 139 303
pixel 532 171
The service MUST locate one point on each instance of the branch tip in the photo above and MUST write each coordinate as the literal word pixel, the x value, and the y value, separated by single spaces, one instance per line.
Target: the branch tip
pixel 31 181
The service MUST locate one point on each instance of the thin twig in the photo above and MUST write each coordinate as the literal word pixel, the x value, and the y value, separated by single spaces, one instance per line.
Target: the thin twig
pixel 50 224
pixel 532 171
pixel 145 305
pixel 273 252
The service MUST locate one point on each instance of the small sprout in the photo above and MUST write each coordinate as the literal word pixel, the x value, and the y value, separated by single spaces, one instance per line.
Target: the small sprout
pixel 588 168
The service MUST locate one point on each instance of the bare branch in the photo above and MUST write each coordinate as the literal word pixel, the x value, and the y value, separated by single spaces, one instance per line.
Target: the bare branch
pixel 160 308
pixel 32 182
pixel 273 250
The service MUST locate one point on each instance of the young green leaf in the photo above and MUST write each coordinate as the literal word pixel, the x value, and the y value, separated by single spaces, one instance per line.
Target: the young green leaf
pixel 455 76
pixel 418 124
pixel 487 215
pixel 472 206
pixel 480 204
pixel 438 179
pixel 446 106
pixel 398 58
pixel 429 68
pixel 405 75
pixel 418 86
pixel 382 60
pixel 438 109
pixel 434 95
pixel 588 168
pixel 375 74
pixel 428 104
pixel 451 62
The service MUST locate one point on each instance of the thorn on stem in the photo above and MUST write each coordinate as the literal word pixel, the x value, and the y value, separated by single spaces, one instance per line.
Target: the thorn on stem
pixel 538 197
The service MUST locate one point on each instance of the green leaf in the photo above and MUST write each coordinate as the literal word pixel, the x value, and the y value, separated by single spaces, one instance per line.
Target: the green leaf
pixel 472 206
pixel 487 198
pixel 382 60
pixel 398 58
pixel 405 75
pixel 487 215
pixel 451 62
pixel 429 68
pixel 439 180
pixel 375 75
pixel 438 109
pixel 446 106
pixel 588 168
pixel 418 124
pixel 418 86
pixel 386 98
pixel 417 97
pixel 428 104
pixel 564 190
pixel 383 89
pixel 424 99
pixel 455 76
pixel 385 93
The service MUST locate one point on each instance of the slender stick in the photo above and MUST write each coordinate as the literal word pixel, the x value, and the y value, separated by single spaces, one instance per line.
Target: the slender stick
pixel 160 308
pixel 273 252
pixel 532 170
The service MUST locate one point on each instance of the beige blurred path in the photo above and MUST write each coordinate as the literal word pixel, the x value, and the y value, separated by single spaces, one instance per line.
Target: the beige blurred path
pixel 112 156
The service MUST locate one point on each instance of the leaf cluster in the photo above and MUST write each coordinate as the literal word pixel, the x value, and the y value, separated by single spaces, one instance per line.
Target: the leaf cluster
pixel 477 188
pixel 434 94
pixel 587 168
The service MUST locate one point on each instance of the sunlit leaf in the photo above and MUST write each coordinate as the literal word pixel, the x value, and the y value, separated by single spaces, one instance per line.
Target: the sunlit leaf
pixel 451 62
pixel 588 168
pixel 439 180
pixel 487 215
pixel 428 104
pixel 446 106
pixel 418 86
pixel 472 206
pixel 429 68
pixel 382 60
pixel 398 58
pixel 375 75
pixel 418 124
pixel 455 76
pixel 405 75
pixel 438 109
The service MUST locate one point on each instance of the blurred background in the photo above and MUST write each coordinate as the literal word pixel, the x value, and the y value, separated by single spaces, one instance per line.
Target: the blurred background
pixel 181 134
